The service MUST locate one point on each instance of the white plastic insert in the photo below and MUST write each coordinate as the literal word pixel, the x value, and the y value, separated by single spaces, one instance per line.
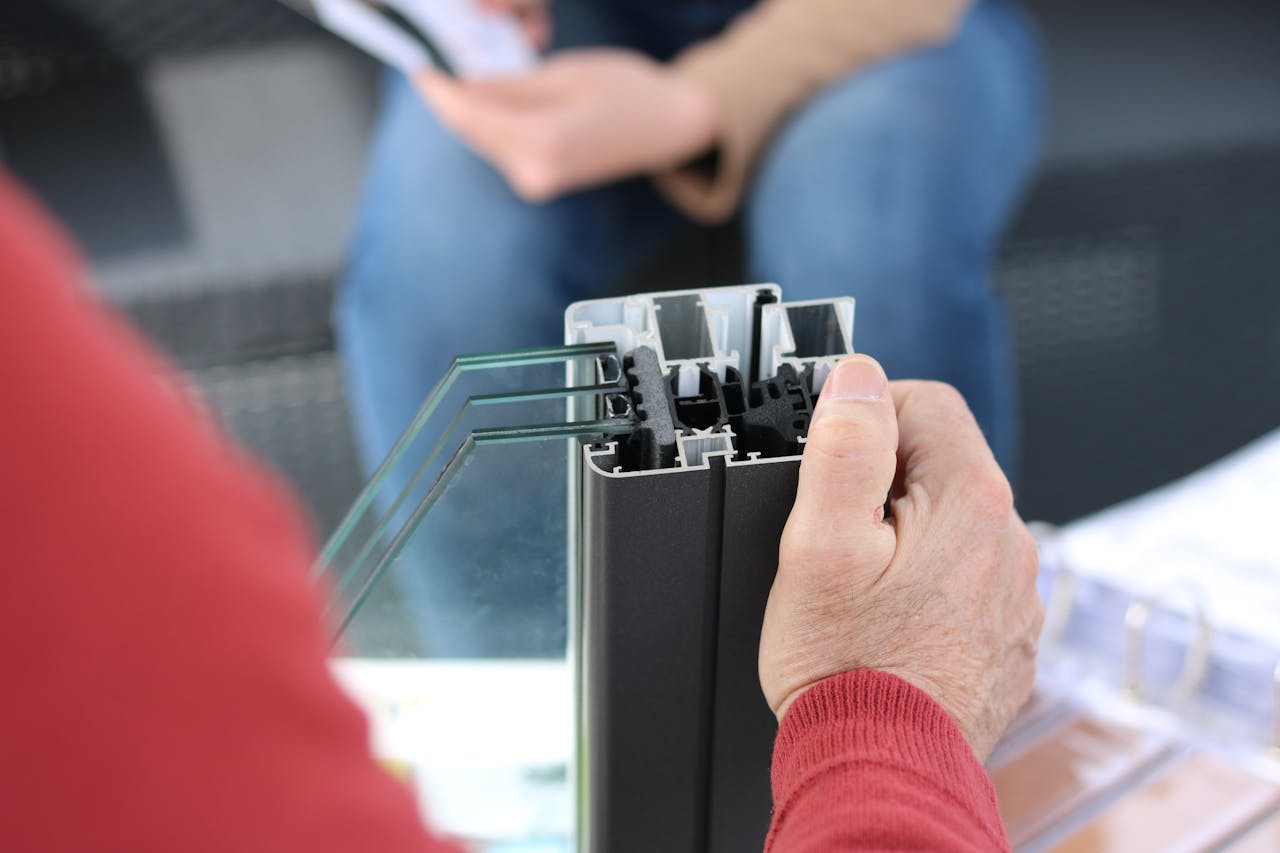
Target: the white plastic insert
pixel 715 328
pixel 686 328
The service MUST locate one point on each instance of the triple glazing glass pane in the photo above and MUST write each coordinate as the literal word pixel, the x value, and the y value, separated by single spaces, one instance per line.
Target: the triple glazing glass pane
pixel 542 395
pixel 451 578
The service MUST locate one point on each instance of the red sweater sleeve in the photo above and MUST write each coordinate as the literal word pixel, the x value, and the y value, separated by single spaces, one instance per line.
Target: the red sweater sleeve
pixel 866 761
pixel 163 657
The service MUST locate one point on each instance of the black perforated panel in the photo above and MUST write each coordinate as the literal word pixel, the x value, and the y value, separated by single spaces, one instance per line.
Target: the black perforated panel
pixel 1145 299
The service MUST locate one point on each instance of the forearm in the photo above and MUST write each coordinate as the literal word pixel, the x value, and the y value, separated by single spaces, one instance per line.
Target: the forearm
pixel 867 761
pixel 776 57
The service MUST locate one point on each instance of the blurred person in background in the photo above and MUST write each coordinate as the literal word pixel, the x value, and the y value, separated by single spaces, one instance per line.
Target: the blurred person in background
pixel 869 147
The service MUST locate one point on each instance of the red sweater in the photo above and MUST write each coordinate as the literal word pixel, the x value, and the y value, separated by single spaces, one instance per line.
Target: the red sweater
pixel 163 656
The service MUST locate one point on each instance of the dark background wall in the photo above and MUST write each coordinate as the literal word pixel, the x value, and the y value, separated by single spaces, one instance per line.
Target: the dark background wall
pixel 1144 275
pixel 207 154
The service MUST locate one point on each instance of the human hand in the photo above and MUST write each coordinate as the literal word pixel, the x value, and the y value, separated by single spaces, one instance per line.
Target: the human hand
pixel 583 117
pixel 534 17
pixel 942 594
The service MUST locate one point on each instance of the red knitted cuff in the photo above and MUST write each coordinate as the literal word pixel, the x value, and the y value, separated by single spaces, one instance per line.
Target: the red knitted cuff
pixel 872 717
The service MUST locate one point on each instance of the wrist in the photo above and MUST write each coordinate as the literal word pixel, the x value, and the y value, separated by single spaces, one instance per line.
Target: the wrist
pixel 853 713
pixel 859 731
pixel 780 709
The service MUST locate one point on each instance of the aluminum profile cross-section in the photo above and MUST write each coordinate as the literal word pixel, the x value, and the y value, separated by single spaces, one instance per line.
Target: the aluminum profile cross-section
pixel 678 531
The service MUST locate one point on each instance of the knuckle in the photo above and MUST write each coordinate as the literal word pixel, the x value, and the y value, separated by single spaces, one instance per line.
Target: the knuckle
pixel 944 397
pixel 949 411
pixel 934 413
pixel 990 493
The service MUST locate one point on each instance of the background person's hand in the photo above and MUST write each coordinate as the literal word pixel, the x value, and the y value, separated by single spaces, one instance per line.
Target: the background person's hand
pixel 942 594
pixel 583 117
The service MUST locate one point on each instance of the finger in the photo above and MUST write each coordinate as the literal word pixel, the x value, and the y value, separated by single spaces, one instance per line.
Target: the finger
pixel 436 88
pixel 526 145
pixel 462 99
pixel 447 100
pixel 487 125
pixel 531 88
pixel 850 455
pixel 938 439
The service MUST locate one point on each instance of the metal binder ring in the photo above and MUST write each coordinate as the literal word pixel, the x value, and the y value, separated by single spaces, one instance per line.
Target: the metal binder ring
pixel 1136 618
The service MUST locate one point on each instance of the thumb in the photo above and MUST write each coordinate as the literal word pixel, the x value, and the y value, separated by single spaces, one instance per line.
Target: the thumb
pixel 848 463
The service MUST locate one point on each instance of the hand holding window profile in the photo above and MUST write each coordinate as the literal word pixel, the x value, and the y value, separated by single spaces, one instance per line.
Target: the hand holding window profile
pixel 942 594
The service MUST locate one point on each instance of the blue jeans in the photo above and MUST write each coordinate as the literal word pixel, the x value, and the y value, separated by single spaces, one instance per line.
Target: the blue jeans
pixel 892 185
